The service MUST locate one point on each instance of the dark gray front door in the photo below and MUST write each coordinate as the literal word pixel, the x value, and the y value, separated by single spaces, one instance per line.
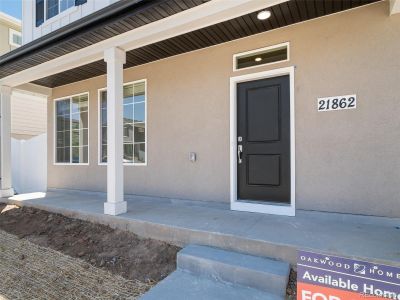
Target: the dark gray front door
pixel 263 131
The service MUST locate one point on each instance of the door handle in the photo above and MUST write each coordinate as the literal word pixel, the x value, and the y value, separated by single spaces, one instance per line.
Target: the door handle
pixel 239 153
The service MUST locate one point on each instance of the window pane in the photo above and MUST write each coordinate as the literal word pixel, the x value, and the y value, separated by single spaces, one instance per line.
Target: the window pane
pixel 62 107
pixel 39 12
pixel 128 153
pixel 128 114
pixel 79 137
pixel 75 104
pixel 103 122
pixel 79 120
pixel 103 97
pixel 75 137
pixel 128 133
pixel 84 136
pixel 139 133
pixel 84 122
pixel 85 154
pixel 60 123
pixel 75 119
pixel 60 155
pixel 17 39
pixel 104 117
pixel 128 94
pixel 140 153
pixel 104 153
pixel 62 131
pixel 104 135
pixel 67 138
pixel 52 8
pixel 60 139
pixel 65 4
pixel 139 112
pixel 75 155
pixel 139 92
pixel 83 103
pixel 262 57
pixel 67 154
pixel 80 154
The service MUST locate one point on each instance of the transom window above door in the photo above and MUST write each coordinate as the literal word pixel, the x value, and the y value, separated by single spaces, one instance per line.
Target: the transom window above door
pixel 72 130
pixel 259 57
pixel 134 124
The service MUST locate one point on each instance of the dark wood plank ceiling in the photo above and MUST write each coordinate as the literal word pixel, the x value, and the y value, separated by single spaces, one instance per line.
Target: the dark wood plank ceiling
pixel 131 15
pixel 283 14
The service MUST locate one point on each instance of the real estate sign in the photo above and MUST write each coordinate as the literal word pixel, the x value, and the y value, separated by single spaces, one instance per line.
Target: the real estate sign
pixel 327 277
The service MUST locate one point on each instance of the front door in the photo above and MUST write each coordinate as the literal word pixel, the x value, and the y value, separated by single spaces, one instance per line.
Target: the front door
pixel 263 139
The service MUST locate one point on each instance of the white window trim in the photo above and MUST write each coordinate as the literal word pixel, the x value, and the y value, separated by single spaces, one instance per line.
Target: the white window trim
pixel 235 56
pixel 132 164
pixel 55 131
pixel 11 32
pixel 268 208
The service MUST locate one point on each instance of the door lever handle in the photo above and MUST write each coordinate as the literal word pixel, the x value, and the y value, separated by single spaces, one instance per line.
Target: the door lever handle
pixel 239 153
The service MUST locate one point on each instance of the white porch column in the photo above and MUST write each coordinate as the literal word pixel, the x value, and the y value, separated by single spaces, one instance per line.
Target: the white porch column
pixel 115 59
pixel 6 189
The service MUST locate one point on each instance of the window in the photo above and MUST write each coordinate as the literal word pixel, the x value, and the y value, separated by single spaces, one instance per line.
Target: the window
pixel 134 124
pixel 39 12
pixel 65 4
pixel 53 8
pixel 72 129
pixel 15 38
pixel 264 56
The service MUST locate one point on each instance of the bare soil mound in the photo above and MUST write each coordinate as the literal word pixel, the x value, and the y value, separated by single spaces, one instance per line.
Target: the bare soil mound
pixel 120 252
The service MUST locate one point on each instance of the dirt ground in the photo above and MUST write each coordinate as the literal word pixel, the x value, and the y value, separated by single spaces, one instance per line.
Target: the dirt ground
pixel 291 290
pixel 117 251
pixel 123 253
pixel 29 271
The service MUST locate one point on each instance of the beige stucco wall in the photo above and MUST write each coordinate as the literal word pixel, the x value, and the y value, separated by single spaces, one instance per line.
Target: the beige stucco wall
pixel 346 161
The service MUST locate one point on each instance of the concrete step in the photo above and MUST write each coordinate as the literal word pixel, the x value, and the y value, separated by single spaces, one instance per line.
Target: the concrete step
pixel 182 285
pixel 252 271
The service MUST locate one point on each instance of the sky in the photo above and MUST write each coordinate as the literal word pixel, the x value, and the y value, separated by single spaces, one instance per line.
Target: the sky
pixel 12 7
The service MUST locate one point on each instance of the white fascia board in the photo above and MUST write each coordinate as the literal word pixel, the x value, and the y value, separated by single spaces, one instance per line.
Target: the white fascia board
pixel 204 15
pixel 394 7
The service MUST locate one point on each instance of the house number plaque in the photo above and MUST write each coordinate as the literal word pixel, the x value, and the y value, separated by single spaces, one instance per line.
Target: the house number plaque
pixel 337 103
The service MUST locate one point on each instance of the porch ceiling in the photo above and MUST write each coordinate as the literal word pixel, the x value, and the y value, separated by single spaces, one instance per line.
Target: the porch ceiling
pixel 120 17
pixel 283 14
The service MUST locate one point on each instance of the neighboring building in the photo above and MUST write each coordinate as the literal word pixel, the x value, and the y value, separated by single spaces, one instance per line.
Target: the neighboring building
pixel 10 33
pixel 272 106
pixel 28 122
pixel 28 109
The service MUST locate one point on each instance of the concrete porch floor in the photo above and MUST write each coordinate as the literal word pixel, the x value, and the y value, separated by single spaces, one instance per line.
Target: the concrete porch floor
pixel 182 222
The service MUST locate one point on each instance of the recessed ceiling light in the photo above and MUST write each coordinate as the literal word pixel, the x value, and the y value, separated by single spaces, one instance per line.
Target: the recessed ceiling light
pixel 263 15
pixel 258 59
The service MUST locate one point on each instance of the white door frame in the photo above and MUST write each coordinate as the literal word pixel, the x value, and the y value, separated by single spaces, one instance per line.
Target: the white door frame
pixel 268 207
